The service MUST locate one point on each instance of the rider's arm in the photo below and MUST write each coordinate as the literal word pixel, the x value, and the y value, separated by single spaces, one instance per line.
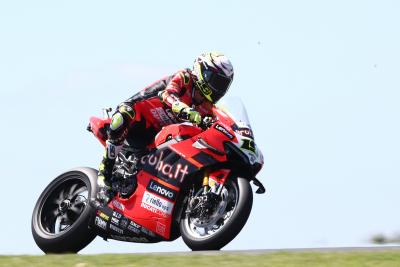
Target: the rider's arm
pixel 176 88
pixel 173 93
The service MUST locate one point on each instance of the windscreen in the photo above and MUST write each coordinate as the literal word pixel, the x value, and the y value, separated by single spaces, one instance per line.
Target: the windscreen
pixel 235 108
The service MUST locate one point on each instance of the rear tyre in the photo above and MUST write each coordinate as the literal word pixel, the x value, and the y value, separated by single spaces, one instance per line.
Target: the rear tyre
pixel 225 222
pixel 60 219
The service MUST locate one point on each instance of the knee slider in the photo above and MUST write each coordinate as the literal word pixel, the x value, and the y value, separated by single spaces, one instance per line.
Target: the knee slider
pixel 119 123
pixel 122 117
pixel 127 111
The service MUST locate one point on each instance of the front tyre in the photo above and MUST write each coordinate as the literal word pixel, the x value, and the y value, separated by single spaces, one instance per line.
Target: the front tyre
pixel 61 215
pixel 224 222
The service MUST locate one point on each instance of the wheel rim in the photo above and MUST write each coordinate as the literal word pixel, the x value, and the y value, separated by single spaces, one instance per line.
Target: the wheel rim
pixel 203 228
pixel 63 206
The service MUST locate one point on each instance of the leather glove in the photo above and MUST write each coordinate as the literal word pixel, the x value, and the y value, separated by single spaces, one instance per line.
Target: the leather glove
pixel 192 115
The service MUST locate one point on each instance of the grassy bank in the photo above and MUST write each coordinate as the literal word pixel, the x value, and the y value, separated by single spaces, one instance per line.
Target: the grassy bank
pixel 281 259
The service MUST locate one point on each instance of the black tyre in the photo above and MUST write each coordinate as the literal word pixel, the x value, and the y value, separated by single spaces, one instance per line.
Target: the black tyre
pixel 225 222
pixel 61 215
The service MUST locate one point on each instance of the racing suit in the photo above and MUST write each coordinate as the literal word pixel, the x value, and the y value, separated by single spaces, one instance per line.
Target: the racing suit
pixel 138 119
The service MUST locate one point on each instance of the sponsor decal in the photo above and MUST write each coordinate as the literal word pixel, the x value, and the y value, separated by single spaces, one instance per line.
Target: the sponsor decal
pixel 171 115
pixel 116 218
pixel 148 232
pixel 115 221
pixel 118 205
pixel 100 223
pixel 130 239
pixel 176 171
pixel 223 130
pixel 249 144
pixel 161 116
pixel 103 215
pixel 246 132
pixel 117 215
pixel 153 210
pixel 123 223
pixel 116 229
pixel 161 190
pixel 158 203
pixel 133 229
pixel 160 228
pixel 138 229
pixel 133 224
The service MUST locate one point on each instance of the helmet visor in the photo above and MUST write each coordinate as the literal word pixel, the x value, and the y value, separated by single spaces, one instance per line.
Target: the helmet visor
pixel 216 81
pixel 218 84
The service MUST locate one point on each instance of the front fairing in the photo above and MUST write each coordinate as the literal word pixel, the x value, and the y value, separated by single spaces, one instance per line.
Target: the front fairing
pixel 235 109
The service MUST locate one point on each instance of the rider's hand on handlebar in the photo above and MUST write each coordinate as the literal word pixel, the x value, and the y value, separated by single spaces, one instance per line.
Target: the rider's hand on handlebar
pixel 207 121
pixel 192 115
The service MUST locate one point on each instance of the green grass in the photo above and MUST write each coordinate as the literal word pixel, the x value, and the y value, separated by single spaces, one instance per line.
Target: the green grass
pixel 281 259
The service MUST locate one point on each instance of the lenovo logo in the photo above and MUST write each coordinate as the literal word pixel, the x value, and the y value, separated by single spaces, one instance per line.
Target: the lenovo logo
pixel 224 131
pixel 161 190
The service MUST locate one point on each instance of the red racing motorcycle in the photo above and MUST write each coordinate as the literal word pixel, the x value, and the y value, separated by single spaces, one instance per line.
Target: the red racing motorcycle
pixel 194 183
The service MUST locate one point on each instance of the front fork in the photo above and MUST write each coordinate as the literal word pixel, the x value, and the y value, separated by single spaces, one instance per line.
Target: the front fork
pixel 214 181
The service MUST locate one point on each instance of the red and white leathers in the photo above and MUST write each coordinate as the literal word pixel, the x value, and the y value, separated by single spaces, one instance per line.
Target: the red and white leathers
pixel 138 119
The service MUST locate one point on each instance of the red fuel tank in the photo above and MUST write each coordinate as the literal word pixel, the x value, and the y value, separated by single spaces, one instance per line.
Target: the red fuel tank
pixel 176 131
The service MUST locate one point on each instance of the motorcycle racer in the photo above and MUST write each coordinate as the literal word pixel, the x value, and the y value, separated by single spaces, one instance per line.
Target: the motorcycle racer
pixel 189 94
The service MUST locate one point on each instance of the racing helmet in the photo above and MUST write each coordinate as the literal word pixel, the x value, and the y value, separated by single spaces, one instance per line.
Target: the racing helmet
pixel 214 73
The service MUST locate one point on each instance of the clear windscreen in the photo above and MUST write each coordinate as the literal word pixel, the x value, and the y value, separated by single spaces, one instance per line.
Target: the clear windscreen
pixel 235 108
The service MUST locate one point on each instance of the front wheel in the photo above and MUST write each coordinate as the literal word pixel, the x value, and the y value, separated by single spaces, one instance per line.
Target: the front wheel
pixel 212 227
pixel 61 215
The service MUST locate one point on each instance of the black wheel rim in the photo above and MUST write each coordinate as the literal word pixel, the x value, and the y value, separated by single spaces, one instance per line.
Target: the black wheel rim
pixel 63 206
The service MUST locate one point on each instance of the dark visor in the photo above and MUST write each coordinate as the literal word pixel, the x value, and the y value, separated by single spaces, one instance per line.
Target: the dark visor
pixel 216 81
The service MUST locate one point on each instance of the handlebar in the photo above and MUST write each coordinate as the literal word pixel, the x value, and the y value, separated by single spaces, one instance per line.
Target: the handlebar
pixel 205 123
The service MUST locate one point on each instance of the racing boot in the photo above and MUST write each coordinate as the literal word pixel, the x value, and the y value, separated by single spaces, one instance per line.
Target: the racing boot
pixel 128 183
pixel 105 193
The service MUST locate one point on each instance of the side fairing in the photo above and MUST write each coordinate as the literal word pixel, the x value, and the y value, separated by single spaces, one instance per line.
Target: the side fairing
pixel 162 174
pixel 250 149
pixel 153 203
pixel 167 165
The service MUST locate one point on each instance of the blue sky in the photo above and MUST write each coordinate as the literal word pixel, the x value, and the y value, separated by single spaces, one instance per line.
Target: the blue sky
pixel 320 80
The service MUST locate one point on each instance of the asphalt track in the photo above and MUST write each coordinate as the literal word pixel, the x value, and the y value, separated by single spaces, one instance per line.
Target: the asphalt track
pixel 288 250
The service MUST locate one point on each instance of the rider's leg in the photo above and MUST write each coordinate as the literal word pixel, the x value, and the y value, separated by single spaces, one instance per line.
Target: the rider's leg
pixel 120 122
pixel 141 135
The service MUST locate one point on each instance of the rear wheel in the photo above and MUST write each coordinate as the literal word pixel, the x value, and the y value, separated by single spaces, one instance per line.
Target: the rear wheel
pixel 61 216
pixel 212 226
